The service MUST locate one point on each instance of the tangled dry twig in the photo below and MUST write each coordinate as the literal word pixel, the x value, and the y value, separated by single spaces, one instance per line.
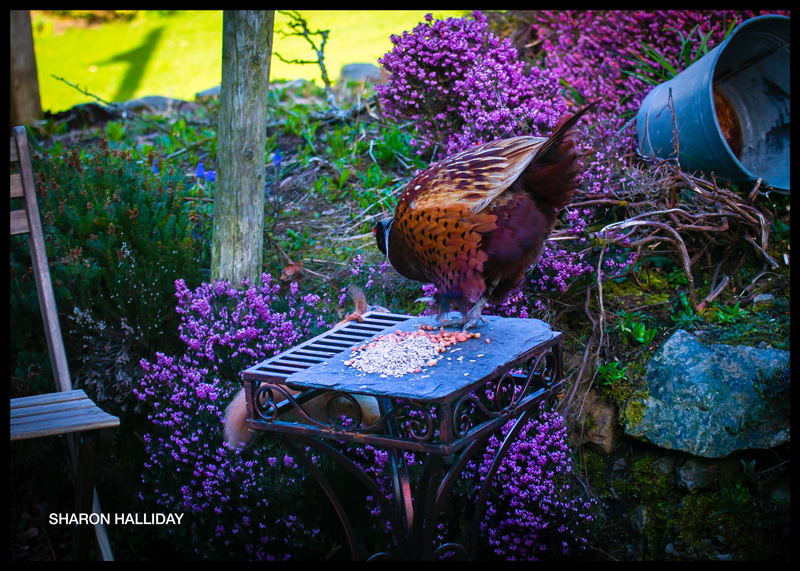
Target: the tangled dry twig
pixel 665 206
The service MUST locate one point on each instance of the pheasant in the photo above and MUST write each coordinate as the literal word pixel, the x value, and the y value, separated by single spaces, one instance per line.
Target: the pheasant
pixel 474 222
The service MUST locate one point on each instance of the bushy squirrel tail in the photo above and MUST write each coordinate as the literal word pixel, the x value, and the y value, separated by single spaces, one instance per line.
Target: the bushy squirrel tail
pixel 236 431
pixel 238 434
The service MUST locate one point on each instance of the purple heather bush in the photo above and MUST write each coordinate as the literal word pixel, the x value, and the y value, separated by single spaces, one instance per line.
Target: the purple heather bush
pixel 365 274
pixel 593 53
pixel 536 508
pixel 534 511
pixel 238 503
pixel 234 328
pixel 462 85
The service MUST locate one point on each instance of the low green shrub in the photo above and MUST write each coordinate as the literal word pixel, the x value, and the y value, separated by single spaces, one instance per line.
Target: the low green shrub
pixel 118 234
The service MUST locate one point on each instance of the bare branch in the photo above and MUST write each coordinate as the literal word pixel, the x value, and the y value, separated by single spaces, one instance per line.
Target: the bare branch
pixel 300 28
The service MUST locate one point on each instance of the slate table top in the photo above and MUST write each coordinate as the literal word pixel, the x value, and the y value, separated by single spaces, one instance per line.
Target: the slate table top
pixel 462 369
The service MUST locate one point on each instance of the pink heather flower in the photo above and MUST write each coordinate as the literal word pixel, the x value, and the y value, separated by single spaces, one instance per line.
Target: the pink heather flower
pixel 461 85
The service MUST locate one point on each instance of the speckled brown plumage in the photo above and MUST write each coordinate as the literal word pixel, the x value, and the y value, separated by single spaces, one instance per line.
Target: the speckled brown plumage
pixel 474 222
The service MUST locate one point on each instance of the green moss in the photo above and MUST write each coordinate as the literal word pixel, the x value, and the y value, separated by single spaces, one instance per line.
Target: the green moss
pixel 613 290
pixel 656 290
pixel 630 393
pixel 635 408
pixel 653 491
pixel 702 516
pixel 730 521
pixel 764 323
pixel 645 483
pixel 593 465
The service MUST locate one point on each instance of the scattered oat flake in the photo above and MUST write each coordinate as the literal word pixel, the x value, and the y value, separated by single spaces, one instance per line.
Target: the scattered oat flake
pixel 404 352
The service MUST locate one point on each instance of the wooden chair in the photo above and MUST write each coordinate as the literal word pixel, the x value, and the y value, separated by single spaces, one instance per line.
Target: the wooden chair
pixel 67 412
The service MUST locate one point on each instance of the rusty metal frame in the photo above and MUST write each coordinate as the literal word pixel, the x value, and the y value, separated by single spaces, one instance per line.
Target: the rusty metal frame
pixel 448 433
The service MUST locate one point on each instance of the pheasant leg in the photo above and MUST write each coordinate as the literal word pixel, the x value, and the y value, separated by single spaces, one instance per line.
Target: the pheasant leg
pixel 474 314
pixel 471 318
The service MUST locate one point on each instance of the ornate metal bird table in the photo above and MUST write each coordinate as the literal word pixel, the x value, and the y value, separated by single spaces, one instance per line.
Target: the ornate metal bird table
pixel 445 414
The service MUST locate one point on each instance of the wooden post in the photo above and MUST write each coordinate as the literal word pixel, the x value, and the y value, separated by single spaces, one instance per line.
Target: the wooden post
pixel 26 106
pixel 237 243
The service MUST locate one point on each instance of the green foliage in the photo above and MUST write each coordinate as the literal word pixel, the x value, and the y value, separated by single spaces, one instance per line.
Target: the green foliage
pixel 612 373
pixel 653 67
pixel 115 131
pixel 683 315
pixel 678 277
pixel 781 231
pixel 641 334
pixel 392 146
pixel 299 124
pixel 730 314
pixel 297 241
pixel 345 142
pixel 637 331
pixel 625 385
pixel 118 235
pixel 373 177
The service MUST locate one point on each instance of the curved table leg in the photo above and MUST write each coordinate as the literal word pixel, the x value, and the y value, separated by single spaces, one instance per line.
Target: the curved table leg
pixel 480 506
pixel 414 526
pixel 395 519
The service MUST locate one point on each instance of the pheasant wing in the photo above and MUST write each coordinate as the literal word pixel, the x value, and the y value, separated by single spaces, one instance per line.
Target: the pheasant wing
pixel 472 178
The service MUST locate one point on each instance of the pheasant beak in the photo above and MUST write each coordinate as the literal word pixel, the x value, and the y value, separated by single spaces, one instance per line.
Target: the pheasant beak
pixel 381 232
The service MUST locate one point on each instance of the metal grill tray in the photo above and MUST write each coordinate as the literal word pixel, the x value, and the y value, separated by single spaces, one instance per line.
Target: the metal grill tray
pixel 319 363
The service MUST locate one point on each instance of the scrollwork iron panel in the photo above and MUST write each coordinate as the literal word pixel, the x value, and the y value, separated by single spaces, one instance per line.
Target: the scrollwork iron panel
pixel 308 396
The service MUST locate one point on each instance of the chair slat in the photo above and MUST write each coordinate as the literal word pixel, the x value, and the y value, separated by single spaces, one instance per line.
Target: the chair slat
pixel 19 222
pixel 16 186
pixel 37 400
pixel 62 423
pixel 57 413
pixel 24 414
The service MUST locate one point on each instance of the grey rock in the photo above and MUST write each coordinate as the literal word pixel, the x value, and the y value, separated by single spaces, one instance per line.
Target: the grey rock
pixel 368 72
pixel 640 519
pixel 154 104
pixel 665 465
pixel 211 93
pixel 698 390
pixel 604 432
pixel 700 474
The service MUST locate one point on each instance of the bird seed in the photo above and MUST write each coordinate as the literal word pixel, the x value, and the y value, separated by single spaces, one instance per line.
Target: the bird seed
pixel 400 353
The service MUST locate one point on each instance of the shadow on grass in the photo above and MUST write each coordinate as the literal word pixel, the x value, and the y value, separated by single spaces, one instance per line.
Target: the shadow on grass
pixel 137 60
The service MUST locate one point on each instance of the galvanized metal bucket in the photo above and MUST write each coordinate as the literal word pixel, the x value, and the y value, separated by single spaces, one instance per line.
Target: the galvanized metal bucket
pixel 729 109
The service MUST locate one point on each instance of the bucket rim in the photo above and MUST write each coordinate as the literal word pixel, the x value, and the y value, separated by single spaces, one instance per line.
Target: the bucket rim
pixel 707 64
pixel 721 48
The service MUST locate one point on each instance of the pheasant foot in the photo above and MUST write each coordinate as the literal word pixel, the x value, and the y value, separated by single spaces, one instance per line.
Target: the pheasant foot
pixel 472 317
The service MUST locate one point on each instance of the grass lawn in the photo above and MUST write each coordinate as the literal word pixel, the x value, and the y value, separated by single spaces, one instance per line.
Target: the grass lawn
pixel 180 54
